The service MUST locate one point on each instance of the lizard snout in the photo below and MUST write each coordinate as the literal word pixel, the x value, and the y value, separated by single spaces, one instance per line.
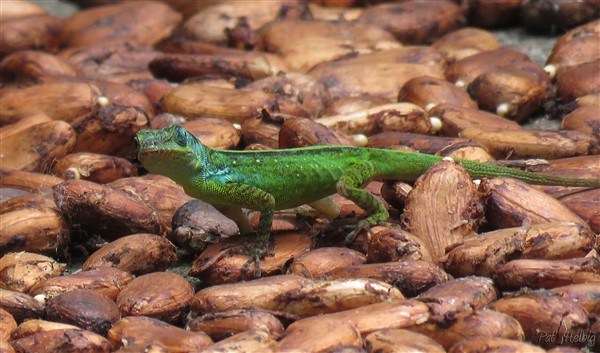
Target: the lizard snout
pixel 144 139
pixel 137 142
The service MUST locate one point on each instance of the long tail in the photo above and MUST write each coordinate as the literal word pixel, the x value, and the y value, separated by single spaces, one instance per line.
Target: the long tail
pixel 481 170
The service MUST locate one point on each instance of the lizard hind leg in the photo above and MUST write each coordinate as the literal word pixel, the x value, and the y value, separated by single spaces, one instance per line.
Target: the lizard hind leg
pixel 326 208
pixel 238 216
pixel 351 185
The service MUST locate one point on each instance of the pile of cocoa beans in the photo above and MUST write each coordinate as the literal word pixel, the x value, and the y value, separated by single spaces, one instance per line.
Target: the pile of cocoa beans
pixel 98 255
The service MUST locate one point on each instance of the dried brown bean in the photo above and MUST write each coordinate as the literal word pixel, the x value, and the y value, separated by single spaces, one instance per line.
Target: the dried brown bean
pixel 21 271
pixel 137 254
pixel 162 295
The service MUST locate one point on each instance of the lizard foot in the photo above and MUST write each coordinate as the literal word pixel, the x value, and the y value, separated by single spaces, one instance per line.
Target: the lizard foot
pixel 366 225
pixel 246 266
pixel 362 225
pixel 255 253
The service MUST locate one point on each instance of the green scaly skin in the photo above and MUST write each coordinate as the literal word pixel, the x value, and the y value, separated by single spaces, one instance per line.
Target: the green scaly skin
pixel 279 179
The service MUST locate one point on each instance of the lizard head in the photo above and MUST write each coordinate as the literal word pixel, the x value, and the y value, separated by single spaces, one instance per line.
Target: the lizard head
pixel 171 151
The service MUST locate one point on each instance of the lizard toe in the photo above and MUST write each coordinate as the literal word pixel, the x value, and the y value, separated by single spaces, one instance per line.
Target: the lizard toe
pixel 363 225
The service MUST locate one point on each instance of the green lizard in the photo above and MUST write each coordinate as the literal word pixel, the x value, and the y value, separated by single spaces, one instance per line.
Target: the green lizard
pixel 280 179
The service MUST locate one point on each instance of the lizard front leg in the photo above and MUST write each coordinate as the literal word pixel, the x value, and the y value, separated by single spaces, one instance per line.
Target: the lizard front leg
pixel 351 186
pixel 263 232
pixel 247 196
pixel 326 208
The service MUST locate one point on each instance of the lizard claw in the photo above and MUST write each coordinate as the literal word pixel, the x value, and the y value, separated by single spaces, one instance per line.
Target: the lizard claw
pixel 362 225
pixel 255 254
pixel 246 266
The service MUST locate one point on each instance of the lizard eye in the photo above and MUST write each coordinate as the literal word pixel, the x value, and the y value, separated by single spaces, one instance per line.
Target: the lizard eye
pixel 179 135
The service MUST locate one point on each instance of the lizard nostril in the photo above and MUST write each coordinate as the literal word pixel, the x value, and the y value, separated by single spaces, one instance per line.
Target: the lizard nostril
pixel 137 142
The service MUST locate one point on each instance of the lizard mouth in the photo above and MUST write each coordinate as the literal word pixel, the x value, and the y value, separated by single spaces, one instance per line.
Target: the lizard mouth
pixel 147 147
pixel 155 154
pixel 148 152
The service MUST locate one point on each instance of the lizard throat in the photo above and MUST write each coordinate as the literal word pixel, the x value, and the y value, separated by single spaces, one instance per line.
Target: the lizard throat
pixel 163 161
